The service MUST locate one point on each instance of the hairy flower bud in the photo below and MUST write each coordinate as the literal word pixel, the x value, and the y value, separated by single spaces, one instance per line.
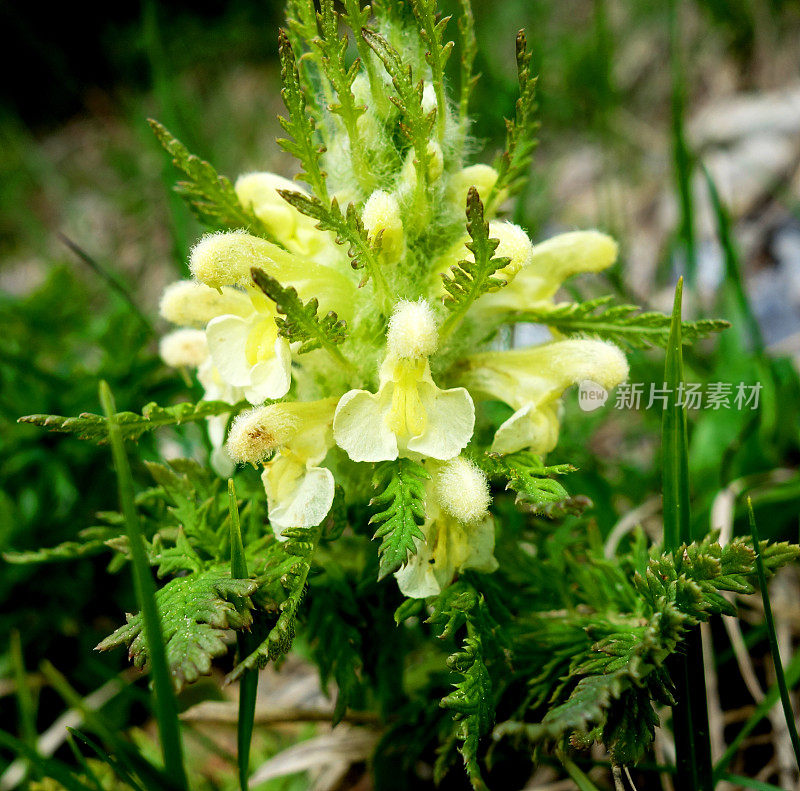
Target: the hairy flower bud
pixel 382 214
pixel 412 330
pixel 462 490
pixel 256 433
pixel 514 245
pixel 482 177
pixel 185 348
pixel 187 303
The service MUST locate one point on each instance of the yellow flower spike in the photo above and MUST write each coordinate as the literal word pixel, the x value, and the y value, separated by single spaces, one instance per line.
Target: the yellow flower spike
pixel 299 491
pixel 531 381
pixel 185 348
pixel 259 191
pixel 409 414
pixel 225 259
pixel 187 303
pixel 381 214
pixel 216 389
pixel 549 265
pixel 450 546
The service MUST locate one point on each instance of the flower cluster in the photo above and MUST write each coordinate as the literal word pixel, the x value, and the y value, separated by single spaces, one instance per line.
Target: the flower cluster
pixel 411 298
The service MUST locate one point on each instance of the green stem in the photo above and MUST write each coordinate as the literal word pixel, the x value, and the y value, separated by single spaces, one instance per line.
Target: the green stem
pixel 780 677
pixel 690 712
pixel 166 708
pixel 248 686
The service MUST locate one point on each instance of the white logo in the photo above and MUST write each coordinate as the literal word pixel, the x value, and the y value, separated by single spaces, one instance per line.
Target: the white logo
pixel 591 395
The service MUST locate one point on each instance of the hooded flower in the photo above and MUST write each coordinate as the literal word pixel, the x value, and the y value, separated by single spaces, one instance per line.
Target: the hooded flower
pixel 458 535
pixel 409 414
pixel 532 380
pixel 299 491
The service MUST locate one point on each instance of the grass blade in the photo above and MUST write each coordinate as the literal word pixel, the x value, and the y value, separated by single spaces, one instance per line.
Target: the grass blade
pixel 47 766
pixel 733 268
pixel 690 713
pixel 25 706
pixel 166 709
pixel 248 686
pixel 780 677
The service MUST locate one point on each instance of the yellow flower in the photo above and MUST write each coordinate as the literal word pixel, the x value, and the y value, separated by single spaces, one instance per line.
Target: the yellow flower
pixel 299 490
pixel 450 546
pixel 532 380
pixel 409 414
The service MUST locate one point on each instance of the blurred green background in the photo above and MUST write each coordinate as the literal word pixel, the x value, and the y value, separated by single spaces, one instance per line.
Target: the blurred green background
pixel 77 160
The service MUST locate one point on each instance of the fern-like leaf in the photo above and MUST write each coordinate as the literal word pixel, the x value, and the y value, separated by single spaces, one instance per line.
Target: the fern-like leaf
pixel 300 321
pixel 402 498
pixel 301 544
pixel 512 165
pixel 210 196
pixel 299 124
pixel 132 425
pixel 432 28
pixel 622 324
pixel 469 49
pixel 469 279
pixel 195 612
pixel 525 474
pixel 349 230
pixel 92 541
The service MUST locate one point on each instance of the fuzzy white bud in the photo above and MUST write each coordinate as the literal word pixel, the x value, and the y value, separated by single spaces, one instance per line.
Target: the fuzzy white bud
pixel 412 330
pixel 382 214
pixel 187 303
pixel 462 490
pixel 184 348
pixel 514 245
pixel 256 433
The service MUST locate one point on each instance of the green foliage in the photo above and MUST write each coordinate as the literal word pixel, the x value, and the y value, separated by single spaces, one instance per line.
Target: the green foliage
pixel 472 701
pixel 301 545
pixel 469 279
pixel 402 496
pixel 196 611
pixel 622 324
pixel 95 427
pixel 512 165
pixel 301 322
pixel 602 672
pixel 469 49
pixel 211 197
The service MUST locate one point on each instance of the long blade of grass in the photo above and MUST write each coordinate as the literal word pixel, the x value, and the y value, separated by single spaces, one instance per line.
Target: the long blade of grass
pixel 780 677
pixel 248 686
pixel 690 713
pixel 681 156
pixel 166 709
pixel 579 777
pixel 747 782
pixel 733 267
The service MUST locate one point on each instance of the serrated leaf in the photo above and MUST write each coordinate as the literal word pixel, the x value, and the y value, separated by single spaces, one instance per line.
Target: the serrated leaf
pixel 468 280
pixel 94 427
pixel 525 474
pixel 210 196
pixel 93 542
pixel 402 498
pixel 512 165
pixel 196 611
pixel 300 322
pixel 622 324
pixel 349 230
pixel 300 123
pixel 301 543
